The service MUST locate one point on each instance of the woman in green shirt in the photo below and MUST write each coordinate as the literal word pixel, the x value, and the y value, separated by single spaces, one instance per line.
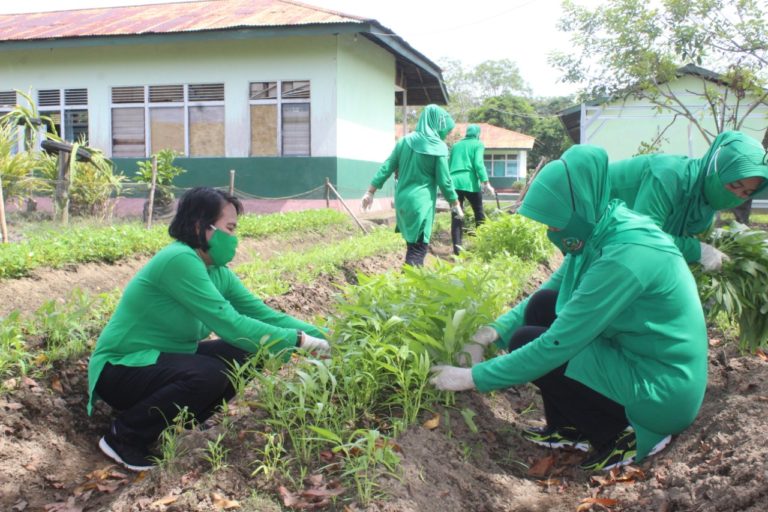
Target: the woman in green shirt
pixel 468 174
pixel 615 339
pixel 421 162
pixel 681 195
pixel 150 360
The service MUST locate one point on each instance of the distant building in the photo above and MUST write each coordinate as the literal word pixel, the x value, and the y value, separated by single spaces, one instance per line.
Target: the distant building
pixel 506 151
pixel 285 93
pixel 621 125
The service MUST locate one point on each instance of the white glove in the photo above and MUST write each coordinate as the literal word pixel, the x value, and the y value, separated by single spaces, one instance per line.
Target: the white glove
pixel 474 352
pixel 457 211
pixel 451 378
pixel 488 188
pixel 367 200
pixel 485 335
pixel 711 258
pixel 312 344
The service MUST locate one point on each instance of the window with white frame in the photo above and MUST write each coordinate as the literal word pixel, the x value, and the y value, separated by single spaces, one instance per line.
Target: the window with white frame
pixel 502 165
pixel 186 118
pixel 280 118
pixel 68 110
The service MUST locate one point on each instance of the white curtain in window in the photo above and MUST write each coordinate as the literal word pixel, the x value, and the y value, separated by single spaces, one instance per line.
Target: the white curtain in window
pixel 128 133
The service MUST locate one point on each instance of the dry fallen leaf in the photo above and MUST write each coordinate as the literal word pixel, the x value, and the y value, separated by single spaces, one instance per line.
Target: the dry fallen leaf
pixel 219 501
pixel 432 423
pixel 542 467
pixel 56 385
pixel 762 355
pixel 603 504
pixel 164 501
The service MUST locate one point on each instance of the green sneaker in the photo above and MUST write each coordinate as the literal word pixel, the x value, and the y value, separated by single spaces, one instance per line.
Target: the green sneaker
pixel 556 437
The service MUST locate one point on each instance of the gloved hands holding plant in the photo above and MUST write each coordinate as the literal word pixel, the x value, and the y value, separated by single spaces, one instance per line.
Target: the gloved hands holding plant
pixel 488 189
pixel 473 352
pixel 451 378
pixel 711 259
pixel 313 344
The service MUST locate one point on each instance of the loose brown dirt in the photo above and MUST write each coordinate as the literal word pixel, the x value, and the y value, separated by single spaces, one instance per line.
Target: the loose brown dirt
pixel 49 460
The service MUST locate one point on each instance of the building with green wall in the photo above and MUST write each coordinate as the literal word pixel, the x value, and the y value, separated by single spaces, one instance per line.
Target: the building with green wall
pixel 284 93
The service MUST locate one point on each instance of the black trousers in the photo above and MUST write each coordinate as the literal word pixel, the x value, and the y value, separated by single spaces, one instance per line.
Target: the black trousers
pixel 148 398
pixel 457 225
pixel 415 252
pixel 568 402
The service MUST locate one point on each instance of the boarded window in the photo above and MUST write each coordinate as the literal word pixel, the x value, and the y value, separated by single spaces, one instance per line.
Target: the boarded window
pixel 264 130
pixel 128 133
pixel 166 126
pixel 206 131
pixel 296 129
pixel 298 89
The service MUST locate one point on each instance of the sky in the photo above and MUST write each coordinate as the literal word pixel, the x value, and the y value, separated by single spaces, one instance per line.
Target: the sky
pixel 523 31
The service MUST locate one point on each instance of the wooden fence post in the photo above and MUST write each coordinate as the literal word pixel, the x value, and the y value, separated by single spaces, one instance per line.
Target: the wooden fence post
pixel 152 186
pixel 327 192
pixel 61 199
pixel 232 182
pixel 360 224
pixel 3 225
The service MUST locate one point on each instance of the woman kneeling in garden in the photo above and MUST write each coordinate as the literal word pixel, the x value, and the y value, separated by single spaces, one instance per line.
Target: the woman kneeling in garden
pixel 615 340
pixel 150 361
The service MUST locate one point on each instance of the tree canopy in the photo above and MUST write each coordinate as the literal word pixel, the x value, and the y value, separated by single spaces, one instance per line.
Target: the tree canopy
pixel 636 47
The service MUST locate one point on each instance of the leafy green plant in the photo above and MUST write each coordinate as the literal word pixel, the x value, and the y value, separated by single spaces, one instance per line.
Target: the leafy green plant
pixel 216 453
pixel 514 234
pixel 170 439
pixel 14 355
pixel 740 289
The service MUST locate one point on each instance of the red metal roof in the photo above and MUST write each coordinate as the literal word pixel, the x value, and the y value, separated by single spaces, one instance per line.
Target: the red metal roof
pixel 191 16
pixel 491 136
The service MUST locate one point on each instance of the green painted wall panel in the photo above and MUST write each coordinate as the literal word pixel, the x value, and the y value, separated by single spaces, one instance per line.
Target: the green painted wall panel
pixel 274 177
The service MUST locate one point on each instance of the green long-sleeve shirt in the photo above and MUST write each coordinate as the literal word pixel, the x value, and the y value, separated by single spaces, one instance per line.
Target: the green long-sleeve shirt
pixel 418 178
pixel 175 301
pixel 467 165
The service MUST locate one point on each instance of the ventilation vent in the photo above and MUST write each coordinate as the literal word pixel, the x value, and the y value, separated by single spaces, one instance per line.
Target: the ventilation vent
pixel 76 97
pixel 166 93
pixel 206 92
pixel 128 94
pixel 7 99
pixel 49 98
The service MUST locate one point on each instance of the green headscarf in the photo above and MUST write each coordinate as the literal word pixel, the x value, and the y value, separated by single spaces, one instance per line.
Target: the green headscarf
pixel 473 132
pixel 733 156
pixel 577 202
pixel 433 127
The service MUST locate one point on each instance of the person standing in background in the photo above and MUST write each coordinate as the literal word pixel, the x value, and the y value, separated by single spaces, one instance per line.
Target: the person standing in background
pixel 468 175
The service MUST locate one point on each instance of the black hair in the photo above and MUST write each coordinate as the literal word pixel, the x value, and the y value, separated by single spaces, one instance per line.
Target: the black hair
pixel 199 208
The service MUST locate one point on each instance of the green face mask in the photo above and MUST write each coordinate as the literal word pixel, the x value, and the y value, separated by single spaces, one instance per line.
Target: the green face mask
pixel 718 197
pixel 572 237
pixel 222 247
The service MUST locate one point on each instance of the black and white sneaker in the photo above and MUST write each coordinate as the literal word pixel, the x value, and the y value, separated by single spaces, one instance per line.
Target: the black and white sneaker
pixel 131 457
pixel 556 437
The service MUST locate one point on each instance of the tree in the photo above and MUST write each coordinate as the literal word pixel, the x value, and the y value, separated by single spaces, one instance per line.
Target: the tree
pixel 467 88
pixel 536 118
pixel 628 47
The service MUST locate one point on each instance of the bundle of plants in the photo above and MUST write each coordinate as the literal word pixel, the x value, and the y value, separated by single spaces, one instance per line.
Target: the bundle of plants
pixel 740 289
